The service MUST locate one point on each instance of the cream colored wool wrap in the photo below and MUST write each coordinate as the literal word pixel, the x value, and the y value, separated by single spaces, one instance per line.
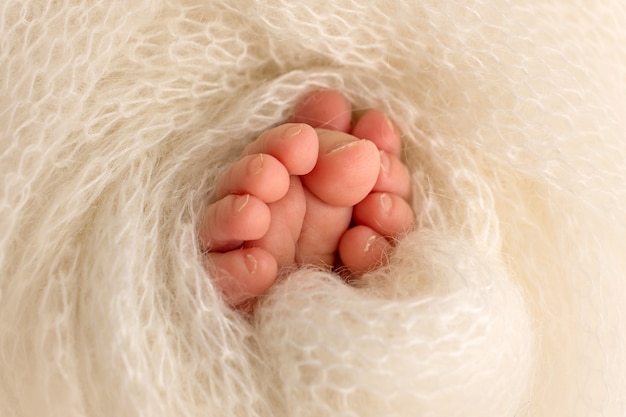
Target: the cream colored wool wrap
pixel 508 299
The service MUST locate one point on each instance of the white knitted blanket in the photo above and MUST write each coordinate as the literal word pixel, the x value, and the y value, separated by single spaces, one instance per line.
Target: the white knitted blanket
pixel 508 300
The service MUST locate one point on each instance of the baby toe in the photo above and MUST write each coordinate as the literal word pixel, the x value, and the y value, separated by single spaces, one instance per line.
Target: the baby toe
pixel 361 249
pixel 261 175
pixel 377 127
pixel 387 214
pixel 232 220
pixel 393 176
pixel 295 145
pixel 346 170
pixel 242 274
pixel 326 109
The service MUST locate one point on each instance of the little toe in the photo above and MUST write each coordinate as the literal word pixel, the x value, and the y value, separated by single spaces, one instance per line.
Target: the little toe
pixel 242 274
pixel 327 109
pixel 295 145
pixel 361 249
pixel 261 175
pixel 374 125
pixel 346 170
pixel 232 220
pixel 387 214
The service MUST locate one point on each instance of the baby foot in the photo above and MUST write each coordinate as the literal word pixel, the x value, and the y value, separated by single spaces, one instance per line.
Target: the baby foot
pixel 293 194
pixel 260 190
pixel 381 216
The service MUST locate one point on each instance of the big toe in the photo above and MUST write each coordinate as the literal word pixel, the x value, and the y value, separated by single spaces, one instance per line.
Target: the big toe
pixel 346 171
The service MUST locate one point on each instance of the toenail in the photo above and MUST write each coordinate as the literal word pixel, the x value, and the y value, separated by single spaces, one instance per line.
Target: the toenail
pixel 343 146
pixel 369 243
pixel 251 263
pixel 385 162
pixel 385 202
pixel 255 165
pixel 241 202
pixel 293 131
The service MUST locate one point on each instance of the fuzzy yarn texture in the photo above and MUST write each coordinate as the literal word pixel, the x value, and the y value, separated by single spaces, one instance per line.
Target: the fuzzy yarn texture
pixel 509 298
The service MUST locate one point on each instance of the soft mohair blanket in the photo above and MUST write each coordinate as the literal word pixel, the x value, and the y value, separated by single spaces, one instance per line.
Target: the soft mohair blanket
pixel 508 300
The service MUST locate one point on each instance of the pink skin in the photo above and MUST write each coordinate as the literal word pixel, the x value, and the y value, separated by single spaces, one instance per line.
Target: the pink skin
pixel 308 192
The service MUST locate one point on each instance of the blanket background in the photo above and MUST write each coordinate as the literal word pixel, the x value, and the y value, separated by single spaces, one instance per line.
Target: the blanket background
pixel 508 300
